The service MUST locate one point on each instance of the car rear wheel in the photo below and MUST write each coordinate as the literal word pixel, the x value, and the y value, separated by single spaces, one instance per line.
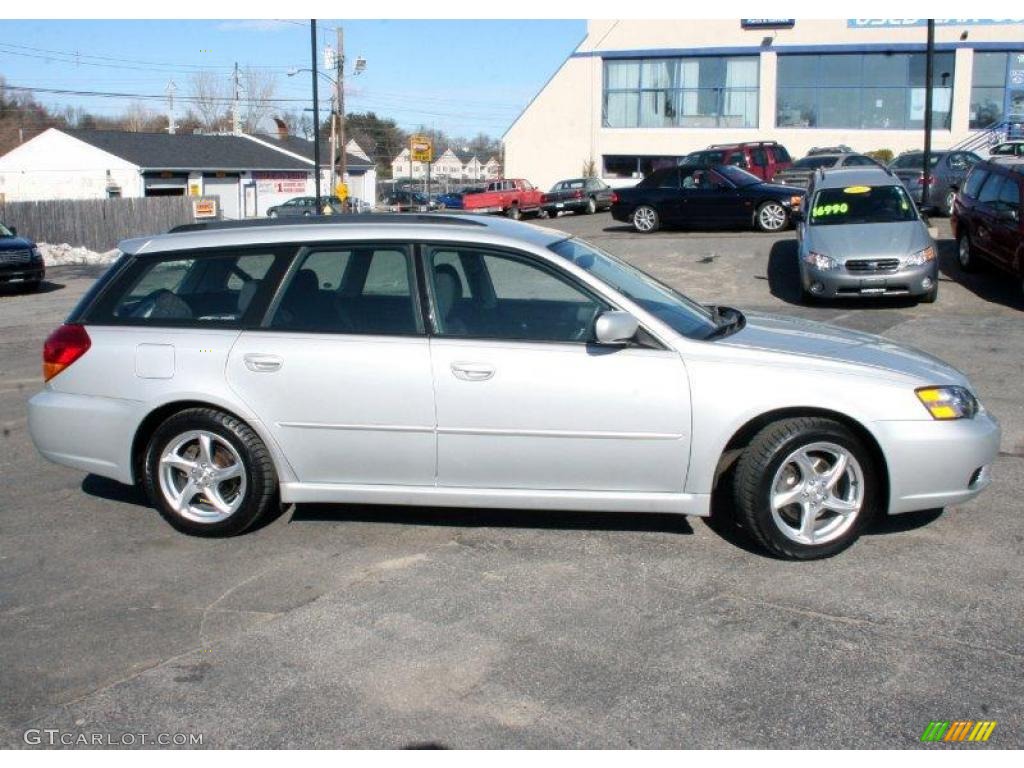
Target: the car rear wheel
pixel 513 213
pixel 591 206
pixel 646 219
pixel 772 217
pixel 965 253
pixel 208 473
pixel 947 206
pixel 805 488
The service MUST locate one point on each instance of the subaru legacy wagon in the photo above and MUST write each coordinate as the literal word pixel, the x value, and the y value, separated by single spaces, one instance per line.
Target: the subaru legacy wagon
pixel 462 361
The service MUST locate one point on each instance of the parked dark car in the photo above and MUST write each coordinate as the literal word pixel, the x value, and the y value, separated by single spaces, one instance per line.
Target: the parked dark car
pixel 949 168
pixel 21 263
pixel 988 220
pixel 403 200
pixel 723 196
pixel 799 174
pixel 305 206
pixel 578 196
pixel 764 159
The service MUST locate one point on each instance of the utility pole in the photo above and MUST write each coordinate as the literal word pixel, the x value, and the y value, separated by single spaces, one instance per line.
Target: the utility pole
pixel 929 66
pixel 316 114
pixel 236 113
pixel 339 100
pixel 171 90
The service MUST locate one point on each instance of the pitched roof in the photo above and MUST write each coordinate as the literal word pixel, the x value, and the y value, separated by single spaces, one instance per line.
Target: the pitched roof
pixel 304 147
pixel 187 151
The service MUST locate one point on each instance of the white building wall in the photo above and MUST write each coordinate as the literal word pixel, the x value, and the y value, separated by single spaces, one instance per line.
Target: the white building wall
pixel 54 165
pixel 562 128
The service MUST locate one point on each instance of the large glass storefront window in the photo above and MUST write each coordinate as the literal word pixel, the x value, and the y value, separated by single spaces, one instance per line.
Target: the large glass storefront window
pixel 854 90
pixel 705 92
pixel 988 88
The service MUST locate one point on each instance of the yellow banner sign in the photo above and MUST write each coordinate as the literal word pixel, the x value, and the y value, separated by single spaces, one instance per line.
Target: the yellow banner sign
pixel 421 149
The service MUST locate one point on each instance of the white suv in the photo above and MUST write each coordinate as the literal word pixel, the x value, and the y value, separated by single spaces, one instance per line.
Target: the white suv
pixel 463 361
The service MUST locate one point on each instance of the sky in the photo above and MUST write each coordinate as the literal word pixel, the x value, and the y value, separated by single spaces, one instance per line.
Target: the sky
pixel 461 76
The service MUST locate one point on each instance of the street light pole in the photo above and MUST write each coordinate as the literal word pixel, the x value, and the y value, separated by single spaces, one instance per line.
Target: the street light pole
pixel 316 115
pixel 339 99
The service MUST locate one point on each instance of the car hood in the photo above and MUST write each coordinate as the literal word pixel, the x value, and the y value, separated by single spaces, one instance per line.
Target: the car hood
pixel 806 338
pixel 15 244
pixel 844 241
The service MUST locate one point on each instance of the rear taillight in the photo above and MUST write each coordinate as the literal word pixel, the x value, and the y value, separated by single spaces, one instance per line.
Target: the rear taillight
pixel 63 347
pixel 578 194
pixel 615 197
pixel 926 180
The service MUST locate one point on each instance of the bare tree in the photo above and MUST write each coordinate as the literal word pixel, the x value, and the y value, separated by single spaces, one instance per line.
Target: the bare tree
pixel 209 95
pixel 137 117
pixel 258 87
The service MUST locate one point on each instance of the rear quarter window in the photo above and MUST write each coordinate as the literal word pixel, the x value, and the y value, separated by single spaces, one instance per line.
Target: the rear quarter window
pixel 974 182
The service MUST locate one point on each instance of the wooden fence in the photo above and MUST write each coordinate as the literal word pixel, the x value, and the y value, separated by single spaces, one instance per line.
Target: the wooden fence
pixel 95 224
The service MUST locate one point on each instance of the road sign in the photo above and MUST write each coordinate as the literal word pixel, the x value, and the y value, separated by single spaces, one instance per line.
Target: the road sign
pixel 341 190
pixel 421 149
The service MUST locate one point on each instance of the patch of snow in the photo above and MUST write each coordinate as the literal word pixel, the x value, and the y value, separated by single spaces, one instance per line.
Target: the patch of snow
pixel 64 254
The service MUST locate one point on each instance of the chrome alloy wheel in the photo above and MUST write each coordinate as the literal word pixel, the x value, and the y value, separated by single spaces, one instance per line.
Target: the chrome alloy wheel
pixel 202 477
pixel 644 218
pixel 772 217
pixel 964 251
pixel 817 493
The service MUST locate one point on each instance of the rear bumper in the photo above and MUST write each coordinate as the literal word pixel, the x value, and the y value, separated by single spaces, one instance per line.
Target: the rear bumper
pixel 840 284
pixel 936 464
pixel 93 434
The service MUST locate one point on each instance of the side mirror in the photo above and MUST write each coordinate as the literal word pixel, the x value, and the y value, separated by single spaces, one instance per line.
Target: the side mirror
pixel 615 328
pixel 14 231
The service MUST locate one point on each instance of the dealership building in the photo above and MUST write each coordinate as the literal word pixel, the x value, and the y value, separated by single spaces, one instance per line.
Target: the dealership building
pixel 638 94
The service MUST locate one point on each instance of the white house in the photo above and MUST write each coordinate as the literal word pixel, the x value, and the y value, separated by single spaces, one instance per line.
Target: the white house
pixel 246 173
pixel 450 164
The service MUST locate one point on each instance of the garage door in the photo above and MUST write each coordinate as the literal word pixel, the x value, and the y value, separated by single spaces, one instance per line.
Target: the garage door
pixel 226 189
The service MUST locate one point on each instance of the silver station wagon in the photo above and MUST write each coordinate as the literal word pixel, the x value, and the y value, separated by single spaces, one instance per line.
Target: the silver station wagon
pixel 462 361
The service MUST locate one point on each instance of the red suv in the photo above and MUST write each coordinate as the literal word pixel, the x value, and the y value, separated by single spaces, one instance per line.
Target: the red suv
pixel 764 159
pixel 987 219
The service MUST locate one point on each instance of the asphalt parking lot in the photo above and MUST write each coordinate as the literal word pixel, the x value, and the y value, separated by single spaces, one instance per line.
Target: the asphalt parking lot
pixel 358 626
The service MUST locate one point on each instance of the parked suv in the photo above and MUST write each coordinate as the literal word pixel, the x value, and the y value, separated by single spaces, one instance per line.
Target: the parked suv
pixel 764 159
pixel 862 236
pixel 21 263
pixel 988 221
pixel 470 362
pixel 799 174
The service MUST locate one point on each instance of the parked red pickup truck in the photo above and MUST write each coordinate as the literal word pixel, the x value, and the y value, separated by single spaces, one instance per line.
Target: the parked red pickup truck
pixel 511 197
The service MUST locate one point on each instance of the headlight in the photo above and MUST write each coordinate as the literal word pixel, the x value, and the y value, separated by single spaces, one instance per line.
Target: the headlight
pixel 37 255
pixel 921 257
pixel 820 261
pixel 946 403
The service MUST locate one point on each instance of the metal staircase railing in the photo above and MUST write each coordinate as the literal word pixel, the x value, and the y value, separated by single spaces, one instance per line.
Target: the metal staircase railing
pixel 993 134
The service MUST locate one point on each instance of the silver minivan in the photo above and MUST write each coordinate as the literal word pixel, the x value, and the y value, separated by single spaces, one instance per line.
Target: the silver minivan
pixel 471 362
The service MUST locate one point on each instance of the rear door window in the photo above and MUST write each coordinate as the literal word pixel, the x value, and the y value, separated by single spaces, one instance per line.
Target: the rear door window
pixel 1009 195
pixel 217 288
pixel 974 182
pixel 989 193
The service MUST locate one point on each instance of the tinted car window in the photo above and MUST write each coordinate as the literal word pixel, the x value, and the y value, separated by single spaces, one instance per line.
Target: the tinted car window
pixel 1009 195
pixel 781 154
pixel 668 177
pixel 861 205
pixel 192 289
pixel 759 157
pixel 974 182
pixel 525 299
pixel 915 160
pixel 352 289
pixel 860 160
pixel 816 161
pixel 990 189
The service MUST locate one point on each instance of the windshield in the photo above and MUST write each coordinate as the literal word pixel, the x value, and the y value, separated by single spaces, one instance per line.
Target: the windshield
pixel 5 232
pixel 683 315
pixel 816 161
pixel 914 160
pixel 737 176
pixel 862 205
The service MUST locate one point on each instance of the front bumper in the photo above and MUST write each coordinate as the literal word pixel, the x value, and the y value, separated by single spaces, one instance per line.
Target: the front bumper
pixel 840 283
pixel 28 273
pixel 935 464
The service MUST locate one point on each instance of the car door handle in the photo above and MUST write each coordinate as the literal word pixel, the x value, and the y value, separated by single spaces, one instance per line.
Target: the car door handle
pixel 260 363
pixel 472 371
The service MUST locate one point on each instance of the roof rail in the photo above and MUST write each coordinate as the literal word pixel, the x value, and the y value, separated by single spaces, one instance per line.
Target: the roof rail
pixel 342 218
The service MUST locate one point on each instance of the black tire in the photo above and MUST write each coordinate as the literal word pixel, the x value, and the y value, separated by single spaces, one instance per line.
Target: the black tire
pixel 761 216
pixel 947 205
pixel 965 255
pixel 514 213
pixel 765 456
pixel 591 206
pixel 645 219
pixel 261 486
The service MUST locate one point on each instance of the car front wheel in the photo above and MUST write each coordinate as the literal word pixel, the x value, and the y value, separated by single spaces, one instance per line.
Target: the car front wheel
pixel 208 473
pixel 771 217
pixel 646 219
pixel 805 488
